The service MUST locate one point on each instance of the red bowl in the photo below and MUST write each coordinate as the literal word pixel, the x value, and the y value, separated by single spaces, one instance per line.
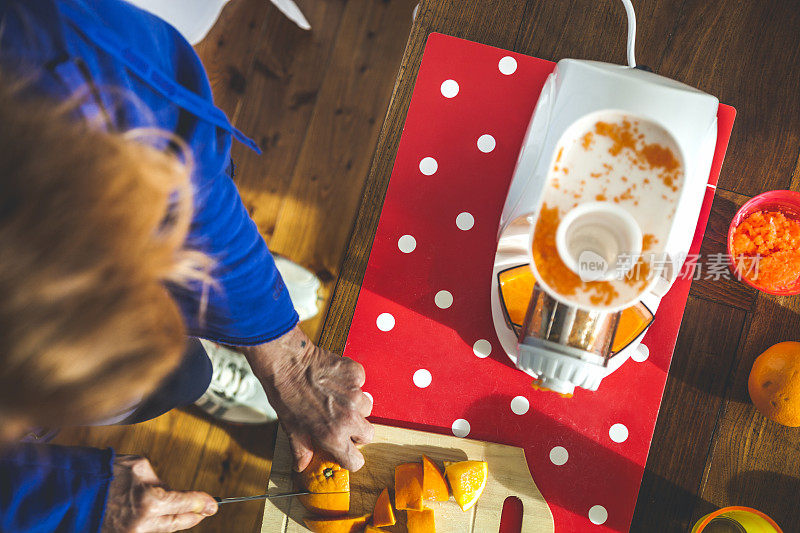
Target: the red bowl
pixel 786 202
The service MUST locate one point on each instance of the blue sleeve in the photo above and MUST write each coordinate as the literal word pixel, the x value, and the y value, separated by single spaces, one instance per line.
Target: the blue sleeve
pixel 111 44
pixel 46 488
pixel 250 305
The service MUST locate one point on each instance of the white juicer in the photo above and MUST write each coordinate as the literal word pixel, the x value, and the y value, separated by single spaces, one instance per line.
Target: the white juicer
pixel 622 156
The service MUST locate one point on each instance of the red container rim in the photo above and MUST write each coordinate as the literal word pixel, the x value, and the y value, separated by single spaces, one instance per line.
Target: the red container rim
pixel 788 203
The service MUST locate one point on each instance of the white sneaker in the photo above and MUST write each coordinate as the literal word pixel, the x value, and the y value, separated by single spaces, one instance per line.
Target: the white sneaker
pixel 302 285
pixel 235 394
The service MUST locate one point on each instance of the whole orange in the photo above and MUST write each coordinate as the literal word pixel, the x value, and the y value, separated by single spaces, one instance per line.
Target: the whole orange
pixel 321 476
pixel 774 383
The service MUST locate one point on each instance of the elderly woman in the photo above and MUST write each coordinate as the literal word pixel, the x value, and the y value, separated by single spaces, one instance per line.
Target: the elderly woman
pixel 123 239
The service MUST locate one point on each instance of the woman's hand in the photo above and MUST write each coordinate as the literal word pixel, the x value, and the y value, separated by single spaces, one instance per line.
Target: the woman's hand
pixel 318 398
pixel 138 501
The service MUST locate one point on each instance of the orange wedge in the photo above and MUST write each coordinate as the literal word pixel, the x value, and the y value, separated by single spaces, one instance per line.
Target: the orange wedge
pixel 516 288
pixel 351 524
pixel 434 487
pixel 421 521
pixel 383 515
pixel 408 486
pixel 632 322
pixel 467 479
pixel 322 475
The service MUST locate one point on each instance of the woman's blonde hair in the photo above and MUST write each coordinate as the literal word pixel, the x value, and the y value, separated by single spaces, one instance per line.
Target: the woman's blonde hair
pixel 93 226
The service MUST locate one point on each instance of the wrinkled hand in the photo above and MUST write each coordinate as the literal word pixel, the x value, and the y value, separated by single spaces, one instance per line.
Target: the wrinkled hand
pixel 138 502
pixel 318 398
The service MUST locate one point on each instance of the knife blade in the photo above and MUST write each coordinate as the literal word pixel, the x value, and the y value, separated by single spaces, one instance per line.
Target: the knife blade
pixel 221 501
pixel 292 12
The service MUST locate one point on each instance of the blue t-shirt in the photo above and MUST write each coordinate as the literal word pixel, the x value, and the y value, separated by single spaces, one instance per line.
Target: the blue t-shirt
pixel 139 72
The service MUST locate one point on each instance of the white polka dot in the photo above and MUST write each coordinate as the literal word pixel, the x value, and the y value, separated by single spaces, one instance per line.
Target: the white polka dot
pixel 482 348
pixel 507 65
pixel 407 244
pixel 486 143
pixel 559 455
pixel 449 88
pixel 520 405
pixel 641 353
pixel 368 395
pixel 422 378
pixel 618 433
pixel 443 299
pixel 428 166
pixel 598 515
pixel 461 428
pixel 465 221
pixel 385 322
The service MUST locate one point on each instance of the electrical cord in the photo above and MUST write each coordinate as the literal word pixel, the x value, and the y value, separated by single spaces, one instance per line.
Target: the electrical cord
pixel 631 32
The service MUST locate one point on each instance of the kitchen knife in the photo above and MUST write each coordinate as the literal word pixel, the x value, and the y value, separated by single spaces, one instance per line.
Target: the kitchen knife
pixel 220 501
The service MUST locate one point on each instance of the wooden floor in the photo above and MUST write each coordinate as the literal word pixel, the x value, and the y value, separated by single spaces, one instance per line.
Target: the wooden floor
pixel 315 102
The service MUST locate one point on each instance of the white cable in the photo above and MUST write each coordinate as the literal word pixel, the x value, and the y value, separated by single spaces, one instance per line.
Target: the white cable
pixel 631 32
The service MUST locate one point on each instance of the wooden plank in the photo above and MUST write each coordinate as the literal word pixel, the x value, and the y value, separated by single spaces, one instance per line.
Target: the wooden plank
pixel 495 23
pixel 318 209
pixel 278 101
pixel 508 476
pixel 227 52
pixel 693 397
pixel 748 55
pixel 710 285
pixel 754 461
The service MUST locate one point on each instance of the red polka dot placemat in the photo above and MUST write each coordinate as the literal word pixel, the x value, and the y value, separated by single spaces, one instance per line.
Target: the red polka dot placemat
pixel 423 327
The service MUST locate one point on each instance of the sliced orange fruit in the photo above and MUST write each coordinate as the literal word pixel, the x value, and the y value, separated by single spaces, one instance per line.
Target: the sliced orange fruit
pixel 408 486
pixel 351 524
pixel 383 515
pixel 467 479
pixel 632 322
pixel 516 288
pixel 434 487
pixel 421 521
pixel 323 475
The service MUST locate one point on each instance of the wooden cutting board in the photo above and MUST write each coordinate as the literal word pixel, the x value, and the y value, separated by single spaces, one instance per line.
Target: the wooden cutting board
pixel 508 476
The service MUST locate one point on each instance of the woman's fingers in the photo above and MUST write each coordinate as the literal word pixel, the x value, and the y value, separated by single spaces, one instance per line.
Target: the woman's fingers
pixel 360 402
pixel 363 432
pixel 349 456
pixel 170 523
pixel 342 444
pixel 354 371
pixel 172 502
pixel 302 449
pixel 139 501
